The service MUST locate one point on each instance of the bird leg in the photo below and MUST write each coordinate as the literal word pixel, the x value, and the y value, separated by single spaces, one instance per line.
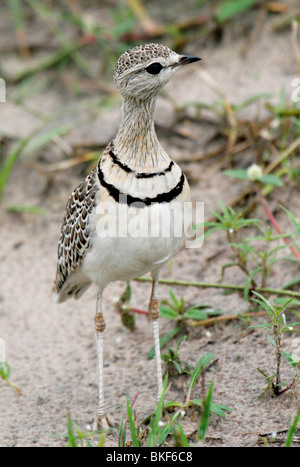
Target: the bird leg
pixel 154 315
pixel 101 421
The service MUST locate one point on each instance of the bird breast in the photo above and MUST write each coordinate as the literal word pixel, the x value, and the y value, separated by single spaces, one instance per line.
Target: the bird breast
pixel 128 242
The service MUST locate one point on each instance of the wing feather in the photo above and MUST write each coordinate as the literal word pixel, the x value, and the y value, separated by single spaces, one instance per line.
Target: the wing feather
pixel 75 237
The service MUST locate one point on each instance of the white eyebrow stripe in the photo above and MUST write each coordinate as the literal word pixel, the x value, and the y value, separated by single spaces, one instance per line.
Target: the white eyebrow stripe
pixel 173 58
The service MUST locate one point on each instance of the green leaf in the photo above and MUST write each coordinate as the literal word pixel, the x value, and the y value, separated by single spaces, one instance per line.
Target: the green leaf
pixel 268 304
pixel 150 441
pixel 283 301
pixel 134 439
pixel 271 179
pixel 260 326
pixel 29 209
pixel 217 409
pixel 4 370
pixel 205 414
pixel 180 436
pixel 295 223
pixel 291 359
pixel 292 430
pixel 72 441
pixel 160 405
pixel 196 314
pixel 172 404
pixel 197 402
pixel 270 313
pixel 174 298
pixel 210 231
pixel 230 8
pixel 291 283
pixel 122 434
pixel 168 313
pixel 202 363
pixel 220 409
pixel 177 366
pixel 240 174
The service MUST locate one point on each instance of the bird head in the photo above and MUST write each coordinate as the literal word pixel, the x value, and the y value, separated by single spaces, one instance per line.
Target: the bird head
pixel 144 70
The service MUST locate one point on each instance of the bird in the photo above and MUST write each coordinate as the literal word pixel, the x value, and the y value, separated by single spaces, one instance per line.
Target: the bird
pixel 119 221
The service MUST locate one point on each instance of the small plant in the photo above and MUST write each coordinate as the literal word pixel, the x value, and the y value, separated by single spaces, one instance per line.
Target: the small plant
pixel 5 375
pixel 259 254
pixel 158 430
pixel 275 329
pixel 256 255
pixel 76 438
pixel 199 370
pixel 232 223
pixel 173 360
pixel 176 310
pixel 255 175
pixel 169 430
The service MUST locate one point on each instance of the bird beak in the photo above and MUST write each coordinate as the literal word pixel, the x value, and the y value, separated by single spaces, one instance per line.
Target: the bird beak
pixel 185 59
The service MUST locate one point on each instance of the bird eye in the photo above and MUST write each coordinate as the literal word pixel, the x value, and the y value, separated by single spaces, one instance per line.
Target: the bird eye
pixel 154 68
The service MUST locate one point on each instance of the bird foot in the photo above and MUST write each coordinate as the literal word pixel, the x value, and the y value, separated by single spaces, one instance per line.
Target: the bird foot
pixel 101 423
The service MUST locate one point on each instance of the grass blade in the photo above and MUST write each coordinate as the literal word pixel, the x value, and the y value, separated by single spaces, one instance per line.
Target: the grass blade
pixel 202 363
pixel 72 441
pixel 294 221
pixel 160 405
pixel 180 436
pixel 292 430
pixel 205 414
pixel 122 434
pixel 134 438
pixel 11 159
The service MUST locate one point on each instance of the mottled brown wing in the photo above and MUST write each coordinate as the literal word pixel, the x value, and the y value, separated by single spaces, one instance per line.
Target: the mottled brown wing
pixel 75 235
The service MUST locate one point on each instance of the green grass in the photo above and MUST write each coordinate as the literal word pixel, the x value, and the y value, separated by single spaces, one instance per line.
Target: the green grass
pixel 166 429
pixel 254 255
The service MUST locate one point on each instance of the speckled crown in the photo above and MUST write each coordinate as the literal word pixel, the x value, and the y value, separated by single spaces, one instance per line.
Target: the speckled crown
pixel 140 54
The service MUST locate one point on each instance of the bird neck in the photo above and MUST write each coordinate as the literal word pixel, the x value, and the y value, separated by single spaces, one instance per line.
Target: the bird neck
pixel 136 142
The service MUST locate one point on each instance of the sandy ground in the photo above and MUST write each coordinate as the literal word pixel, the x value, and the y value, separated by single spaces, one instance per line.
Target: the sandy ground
pixel 51 348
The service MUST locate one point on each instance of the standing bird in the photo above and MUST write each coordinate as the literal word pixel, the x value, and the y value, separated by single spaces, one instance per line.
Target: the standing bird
pixel 135 186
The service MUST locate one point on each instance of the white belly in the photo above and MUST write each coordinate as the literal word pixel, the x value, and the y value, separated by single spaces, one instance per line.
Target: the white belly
pixel 129 242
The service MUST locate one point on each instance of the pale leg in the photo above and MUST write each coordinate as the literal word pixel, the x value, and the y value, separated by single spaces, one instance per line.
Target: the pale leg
pixel 154 315
pixel 101 418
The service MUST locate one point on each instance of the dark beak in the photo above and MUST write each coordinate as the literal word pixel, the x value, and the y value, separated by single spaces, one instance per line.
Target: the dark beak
pixel 185 59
